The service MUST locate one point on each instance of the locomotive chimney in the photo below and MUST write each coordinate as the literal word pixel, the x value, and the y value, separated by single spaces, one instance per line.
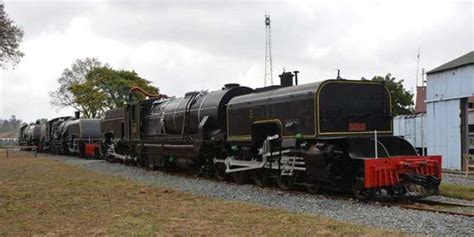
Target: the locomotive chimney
pixel 286 79
pixel 77 114
pixel 296 77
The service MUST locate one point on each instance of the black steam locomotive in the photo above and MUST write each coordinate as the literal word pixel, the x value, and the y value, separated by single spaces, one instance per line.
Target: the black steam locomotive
pixel 64 135
pixel 335 134
pixel 29 134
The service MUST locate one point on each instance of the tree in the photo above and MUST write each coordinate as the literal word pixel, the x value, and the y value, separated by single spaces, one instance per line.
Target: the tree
pixel 402 100
pixel 10 39
pixel 92 88
pixel 7 125
pixel 64 96
pixel 106 88
pixel 90 99
pixel 115 84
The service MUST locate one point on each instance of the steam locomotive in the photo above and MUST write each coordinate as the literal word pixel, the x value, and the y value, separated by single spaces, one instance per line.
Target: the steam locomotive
pixel 29 134
pixel 64 135
pixel 334 134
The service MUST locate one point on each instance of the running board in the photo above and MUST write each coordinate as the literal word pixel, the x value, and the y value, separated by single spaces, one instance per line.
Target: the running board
pixel 287 164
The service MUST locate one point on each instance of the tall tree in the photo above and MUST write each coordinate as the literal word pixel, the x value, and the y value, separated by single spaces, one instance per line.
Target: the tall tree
pixel 92 88
pixel 106 88
pixel 115 84
pixel 402 99
pixel 75 75
pixel 10 39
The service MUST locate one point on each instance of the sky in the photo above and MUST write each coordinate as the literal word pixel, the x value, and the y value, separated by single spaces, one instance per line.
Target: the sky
pixel 201 45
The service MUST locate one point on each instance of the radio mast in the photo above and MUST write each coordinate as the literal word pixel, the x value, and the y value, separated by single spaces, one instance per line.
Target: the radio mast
pixel 268 80
pixel 417 67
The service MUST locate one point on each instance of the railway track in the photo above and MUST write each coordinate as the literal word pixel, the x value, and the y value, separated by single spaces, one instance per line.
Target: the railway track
pixel 434 206
pixel 420 204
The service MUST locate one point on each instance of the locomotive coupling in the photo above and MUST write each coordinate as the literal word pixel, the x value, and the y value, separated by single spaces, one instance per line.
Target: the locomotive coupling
pixel 429 182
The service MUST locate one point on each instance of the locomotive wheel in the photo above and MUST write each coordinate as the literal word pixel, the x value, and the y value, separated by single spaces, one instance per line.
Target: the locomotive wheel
pixel 261 178
pixel 219 171
pixel 358 188
pixel 360 192
pixel 313 189
pixel 82 150
pixel 141 161
pixel 240 177
pixel 286 182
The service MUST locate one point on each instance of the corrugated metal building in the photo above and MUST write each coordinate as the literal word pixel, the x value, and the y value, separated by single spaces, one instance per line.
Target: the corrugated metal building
pixel 448 89
pixel 412 127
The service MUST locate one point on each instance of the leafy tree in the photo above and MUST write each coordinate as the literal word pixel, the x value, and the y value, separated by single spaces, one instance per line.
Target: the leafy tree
pixel 92 88
pixel 402 99
pixel 75 75
pixel 10 39
pixel 91 100
pixel 115 84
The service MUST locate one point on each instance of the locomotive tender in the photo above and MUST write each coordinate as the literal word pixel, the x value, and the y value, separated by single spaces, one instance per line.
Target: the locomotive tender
pixel 334 134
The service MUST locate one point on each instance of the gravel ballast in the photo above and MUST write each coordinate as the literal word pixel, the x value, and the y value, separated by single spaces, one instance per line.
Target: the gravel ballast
pixel 372 214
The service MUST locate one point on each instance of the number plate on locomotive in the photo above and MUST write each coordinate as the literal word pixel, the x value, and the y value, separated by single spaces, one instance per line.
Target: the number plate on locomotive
pixel 357 127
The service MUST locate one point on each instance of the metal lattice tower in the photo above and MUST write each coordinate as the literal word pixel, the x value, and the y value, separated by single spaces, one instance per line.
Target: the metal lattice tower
pixel 268 53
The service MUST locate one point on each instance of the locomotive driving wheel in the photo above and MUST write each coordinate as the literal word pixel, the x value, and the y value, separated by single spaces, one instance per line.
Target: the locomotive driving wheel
pixel 142 160
pixel 261 177
pixel 240 177
pixel 219 171
pixel 359 190
pixel 312 189
pixel 286 182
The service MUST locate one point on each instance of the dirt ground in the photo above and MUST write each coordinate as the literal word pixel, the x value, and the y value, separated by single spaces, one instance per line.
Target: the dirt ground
pixel 44 197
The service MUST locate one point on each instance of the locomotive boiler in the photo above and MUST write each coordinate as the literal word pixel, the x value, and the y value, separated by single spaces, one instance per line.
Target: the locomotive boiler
pixel 157 132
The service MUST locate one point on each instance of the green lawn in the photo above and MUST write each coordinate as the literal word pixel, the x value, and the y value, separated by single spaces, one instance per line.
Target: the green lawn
pixel 457 191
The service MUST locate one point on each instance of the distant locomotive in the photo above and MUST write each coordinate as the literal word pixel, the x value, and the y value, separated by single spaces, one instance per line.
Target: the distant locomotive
pixel 69 135
pixel 335 134
pixel 29 134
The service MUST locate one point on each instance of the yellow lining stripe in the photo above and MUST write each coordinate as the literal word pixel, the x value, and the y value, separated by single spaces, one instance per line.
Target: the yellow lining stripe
pixel 317 121
pixel 317 109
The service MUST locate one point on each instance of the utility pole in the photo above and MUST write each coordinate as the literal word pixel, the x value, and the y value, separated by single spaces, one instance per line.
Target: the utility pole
pixel 268 80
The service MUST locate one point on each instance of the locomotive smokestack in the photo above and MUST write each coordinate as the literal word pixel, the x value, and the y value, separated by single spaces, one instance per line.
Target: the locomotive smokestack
pixel 77 114
pixel 286 79
pixel 296 77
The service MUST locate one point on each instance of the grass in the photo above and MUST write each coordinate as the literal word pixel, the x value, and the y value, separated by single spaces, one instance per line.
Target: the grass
pixel 44 197
pixel 457 191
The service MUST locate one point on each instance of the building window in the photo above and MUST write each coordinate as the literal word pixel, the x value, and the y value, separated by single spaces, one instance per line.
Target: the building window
pixel 471 128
